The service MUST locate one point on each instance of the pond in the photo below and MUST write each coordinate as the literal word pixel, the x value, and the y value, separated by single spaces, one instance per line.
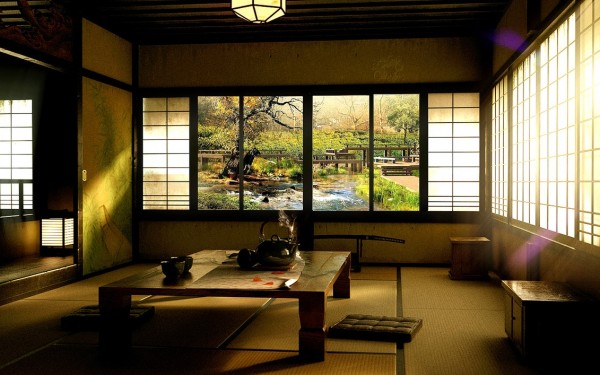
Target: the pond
pixel 328 195
pixel 282 194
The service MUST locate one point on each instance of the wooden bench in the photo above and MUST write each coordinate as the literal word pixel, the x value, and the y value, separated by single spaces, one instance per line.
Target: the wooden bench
pixel 398 170
pixel 382 159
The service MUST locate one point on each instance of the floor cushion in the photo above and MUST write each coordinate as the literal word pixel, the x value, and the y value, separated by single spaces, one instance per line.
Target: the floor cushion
pixel 376 327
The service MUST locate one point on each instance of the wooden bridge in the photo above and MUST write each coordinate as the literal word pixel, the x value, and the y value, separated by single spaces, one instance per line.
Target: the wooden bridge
pixel 204 156
pixel 398 170
pixel 331 156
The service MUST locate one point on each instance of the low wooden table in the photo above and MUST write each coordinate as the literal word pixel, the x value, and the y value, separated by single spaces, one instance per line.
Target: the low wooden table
pixel 323 272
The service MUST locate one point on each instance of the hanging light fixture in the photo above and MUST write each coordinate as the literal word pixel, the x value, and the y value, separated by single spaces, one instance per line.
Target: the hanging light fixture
pixel 258 11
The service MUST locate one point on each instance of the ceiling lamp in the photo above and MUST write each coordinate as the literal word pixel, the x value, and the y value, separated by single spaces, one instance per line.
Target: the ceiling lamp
pixel 258 11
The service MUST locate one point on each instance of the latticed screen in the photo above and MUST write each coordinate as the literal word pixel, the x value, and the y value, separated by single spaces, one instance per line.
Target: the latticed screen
pixel 453 152
pixel 555 142
pixel 166 149
pixel 557 139
pixel 589 123
pixel 499 196
pixel 524 141
pixel 16 157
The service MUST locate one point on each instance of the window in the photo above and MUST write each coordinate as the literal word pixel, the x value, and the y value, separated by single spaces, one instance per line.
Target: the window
pixel 499 194
pixel 272 128
pixel 270 162
pixel 453 152
pixel 589 123
pixel 524 141
pixel 555 142
pixel 340 147
pixel 396 134
pixel 362 151
pixel 166 143
pixel 16 157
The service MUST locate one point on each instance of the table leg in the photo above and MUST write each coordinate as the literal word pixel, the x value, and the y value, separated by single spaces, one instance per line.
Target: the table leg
pixel 341 286
pixel 312 326
pixel 114 337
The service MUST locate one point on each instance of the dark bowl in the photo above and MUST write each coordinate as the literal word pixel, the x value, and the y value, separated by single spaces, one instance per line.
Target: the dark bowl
pixel 172 268
pixel 188 262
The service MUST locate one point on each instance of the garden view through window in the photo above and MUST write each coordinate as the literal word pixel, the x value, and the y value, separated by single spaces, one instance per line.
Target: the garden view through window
pixel 350 153
pixel 273 155
pixel 271 159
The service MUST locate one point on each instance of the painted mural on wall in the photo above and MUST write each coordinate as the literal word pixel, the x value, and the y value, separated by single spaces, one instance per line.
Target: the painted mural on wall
pixel 45 28
pixel 107 201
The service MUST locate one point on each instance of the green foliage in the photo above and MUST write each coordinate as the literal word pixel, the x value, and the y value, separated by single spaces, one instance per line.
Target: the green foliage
pixel 295 172
pixel 288 141
pixel 216 138
pixel 220 201
pixel 263 166
pixel 330 139
pixel 251 205
pixel 389 195
pixel 328 171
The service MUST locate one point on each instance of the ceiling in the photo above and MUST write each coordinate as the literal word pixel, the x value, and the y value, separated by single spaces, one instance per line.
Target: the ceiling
pixel 212 21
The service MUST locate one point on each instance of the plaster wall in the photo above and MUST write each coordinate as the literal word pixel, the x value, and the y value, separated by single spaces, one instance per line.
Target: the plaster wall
pixel 522 19
pixel 19 239
pixel 105 53
pixel 311 63
pixel 424 243
pixel 510 35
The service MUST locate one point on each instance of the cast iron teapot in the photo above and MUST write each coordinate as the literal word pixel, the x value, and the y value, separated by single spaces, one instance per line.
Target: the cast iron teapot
pixel 275 252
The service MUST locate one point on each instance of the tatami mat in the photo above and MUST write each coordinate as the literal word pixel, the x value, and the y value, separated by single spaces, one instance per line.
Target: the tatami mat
pixel 205 322
pixel 376 273
pixel 462 332
pixel 183 335
pixel 463 326
pixel 75 360
pixel 277 327
pixel 32 322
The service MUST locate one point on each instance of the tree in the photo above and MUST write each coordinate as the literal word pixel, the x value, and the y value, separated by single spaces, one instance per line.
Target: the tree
pixel 355 112
pixel 267 112
pixel 260 113
pixel 404 116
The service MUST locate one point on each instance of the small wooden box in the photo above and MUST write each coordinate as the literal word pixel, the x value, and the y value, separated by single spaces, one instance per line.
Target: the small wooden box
pixel 469 258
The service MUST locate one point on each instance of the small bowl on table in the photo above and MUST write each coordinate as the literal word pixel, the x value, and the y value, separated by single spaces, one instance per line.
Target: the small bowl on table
pixel 172 268
pixel 188 262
